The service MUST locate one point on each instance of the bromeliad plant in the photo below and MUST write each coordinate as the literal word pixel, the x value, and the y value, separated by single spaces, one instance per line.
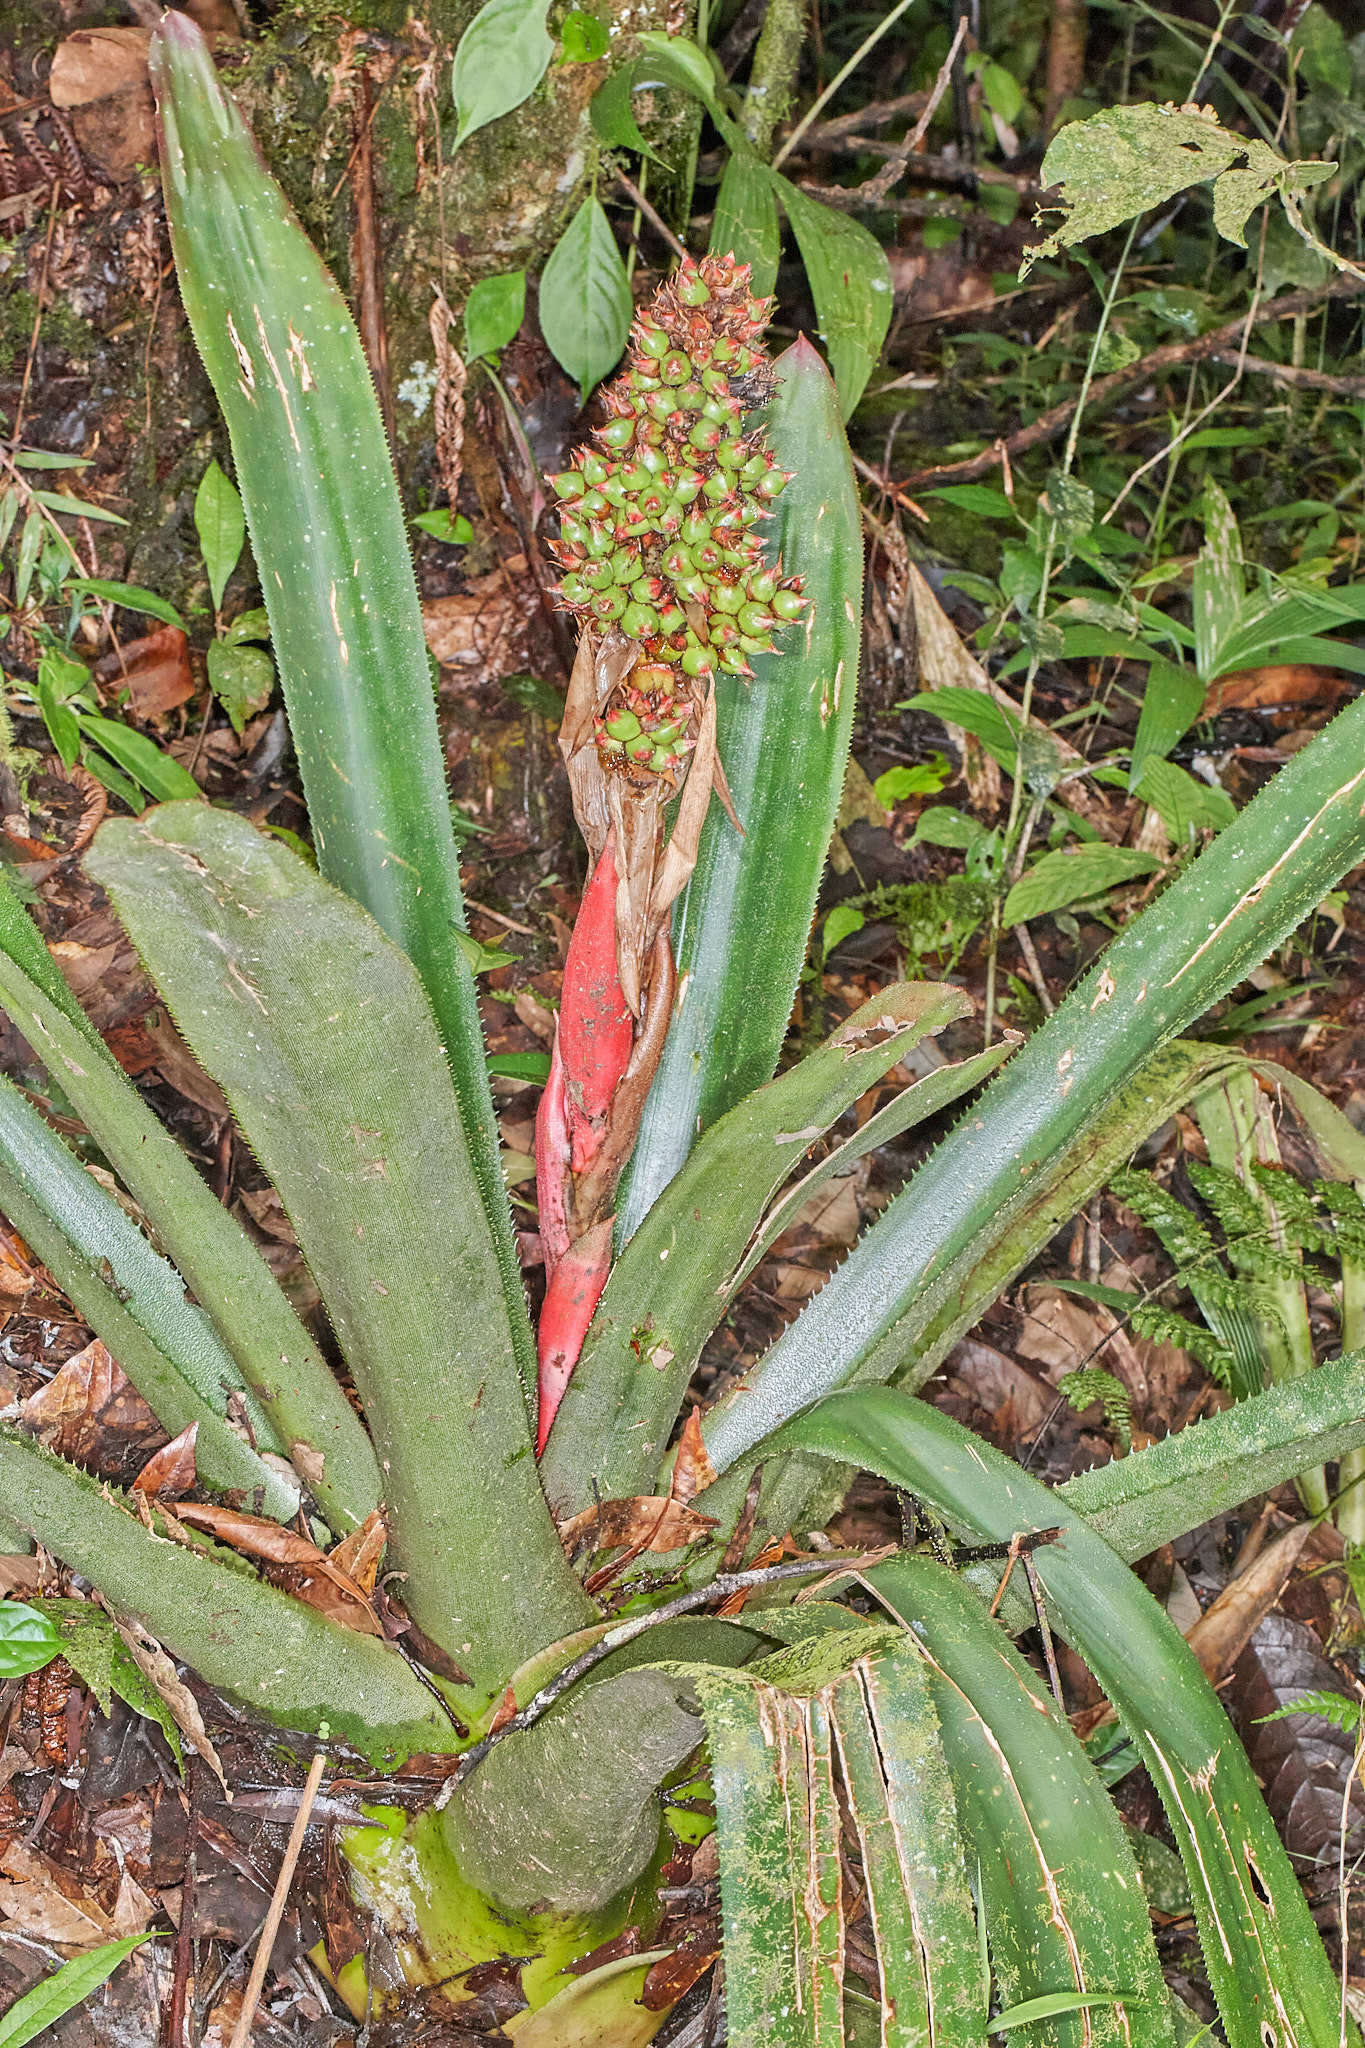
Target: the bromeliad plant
pixel 337 1011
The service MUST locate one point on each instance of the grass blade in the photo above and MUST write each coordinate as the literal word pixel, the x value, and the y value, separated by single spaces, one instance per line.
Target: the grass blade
pixel 70 1986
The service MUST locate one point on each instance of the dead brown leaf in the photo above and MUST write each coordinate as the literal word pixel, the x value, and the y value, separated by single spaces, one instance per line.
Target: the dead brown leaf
pixel 91 1413
pixel 667 1980
pixel 294 1563
pixel 649 1522
pixel 359 1553
pixel 179 1068
pixel 155 671
pixel 482 629
pixel 170 1471
pixel 18 1273
pixel 40 1898
pixel 693 1471
pixel 1221 1634
pixel 160 1672
pixel 1283 682
pixel 93 62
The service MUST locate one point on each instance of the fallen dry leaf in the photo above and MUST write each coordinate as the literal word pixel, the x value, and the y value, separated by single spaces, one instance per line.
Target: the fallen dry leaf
pixel 294 1563
pixel 1220 1635
pixel 650 1522
pixel 41 1899
pixel 693 1471
pixel 359 1553
pixel 91 1414
pixel 482 629
pixel 1284 682
pixel 93 62
pixel 170 1471
pixel 154 670
pixel 161 1674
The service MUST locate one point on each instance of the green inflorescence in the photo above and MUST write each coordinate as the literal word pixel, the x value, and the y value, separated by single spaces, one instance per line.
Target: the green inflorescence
pixel 658 528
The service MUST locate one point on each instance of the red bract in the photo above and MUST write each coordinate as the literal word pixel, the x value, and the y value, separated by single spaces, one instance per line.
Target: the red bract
pixel 596 1029
pixel 570 1303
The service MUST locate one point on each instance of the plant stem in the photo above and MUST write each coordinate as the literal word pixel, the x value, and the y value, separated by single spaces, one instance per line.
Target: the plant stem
pixel 772 76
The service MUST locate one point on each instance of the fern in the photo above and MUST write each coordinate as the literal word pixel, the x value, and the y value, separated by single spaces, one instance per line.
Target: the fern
pixel 1293 1205
pixel 1092 1386
pixel 1347 1211
pixel 1337 1707
pixel 1244 1223
pixel 1163 1326
pixel 1184 1238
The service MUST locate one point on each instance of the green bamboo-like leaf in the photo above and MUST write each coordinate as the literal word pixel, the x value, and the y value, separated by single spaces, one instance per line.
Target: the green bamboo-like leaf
pixel 275 1654
pixel 671 1285
pixel 136 1301
pixel 1063 1902
pixel 741 926
pixel 320 1034
pixel 327 530
pixel 66 1988
pixel 1237 900
pixel 1263 1953
pixel 299 1393
pixel 903 1805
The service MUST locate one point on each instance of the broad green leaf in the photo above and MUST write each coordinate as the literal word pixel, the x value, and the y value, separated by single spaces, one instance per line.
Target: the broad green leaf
pixel 1319 42
pixel 741 927
pixel 28 1641
pixel 242 679
pixel 62 724
pixel 945 825
pixel 983 499
pixel 976 712
pixel 65 1989
pixel 130 595
pixel 585 302
pixel 1115 165
pixel 163 779
pixel 220 523
pixel 88 1638
pixel 668 1291
pixel 1059 1890
pixel 613 118
pixel 520 1066
pixel 493 312
pixel 583 38
pixel 253 624
pixel 348 643
pixel 275 1654
pixel 840 924
pixel 745 223
pixel 443 524
pixel 499 61
pixel 850 281
pixel 318 1031
pixel 300 1396
pixel 1074 876
pixel 1170 704
pixel 1263 1953
pixel 1184 803
pixel 1052 2005
pixel 673 60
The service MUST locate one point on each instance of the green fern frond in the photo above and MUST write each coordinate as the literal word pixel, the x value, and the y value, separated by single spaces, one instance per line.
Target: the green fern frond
pixel 1231 1201
pixel 1093 1386
pixel 1163 1326
pixel 1294 1208
pixel 1336 1707
pixel 1245 1224
pixel 1347 1211
pixel 1183 1236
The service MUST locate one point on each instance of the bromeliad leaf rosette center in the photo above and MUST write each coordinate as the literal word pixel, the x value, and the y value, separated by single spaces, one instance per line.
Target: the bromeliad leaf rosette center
pixel 666 571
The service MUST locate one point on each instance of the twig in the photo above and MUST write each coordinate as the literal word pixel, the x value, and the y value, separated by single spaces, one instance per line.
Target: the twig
pixel 365 253
pixel 1040 1609
pixel 1053 422
pixel 1034 966
pixel 173 2030
pixel 868 43
pixel 293 1848
pixel 615 1639
pixel 741 36
pixel 875 114
pixel 934 169
pixel 37 311
pixel 877 188
pixel 1287 373
pixel 656 221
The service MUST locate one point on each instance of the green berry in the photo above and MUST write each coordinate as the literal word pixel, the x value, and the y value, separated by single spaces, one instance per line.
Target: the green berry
pixel 725 350
pixel 596 468
pixel 762 586
pixel 675 368
pixel 639 622
pixel 573 531
pixel 647 589
pixel 686 484
pixel 651 341
pixel 613 747
pixel 672 619
pixel 773 484
pixel 573 589
pixel 755 643
pixel 597 576
pixel 705 434
pixel 755 620
pixel 623 726
pixel 594 503
pixel 600 540
pixel 733 662
pixel 609 605
pixel 717 485
pixel 730 454
pixel 662 405
pixel 653 460
pixel 788 604
pixel 618 433
pixel 691 398
pixel 696 529
pixel 568 484
pixel 691 288
pixel 698 661
pixel 728 597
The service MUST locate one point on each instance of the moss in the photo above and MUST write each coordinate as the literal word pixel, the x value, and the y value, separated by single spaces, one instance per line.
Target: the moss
pixel 62 328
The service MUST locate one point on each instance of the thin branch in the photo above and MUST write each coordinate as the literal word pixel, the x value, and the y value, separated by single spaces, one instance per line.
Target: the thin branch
pixel 293 1849
pixel 868 44
pixel 656 221
pixel 720 1588
pixel 1055 421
